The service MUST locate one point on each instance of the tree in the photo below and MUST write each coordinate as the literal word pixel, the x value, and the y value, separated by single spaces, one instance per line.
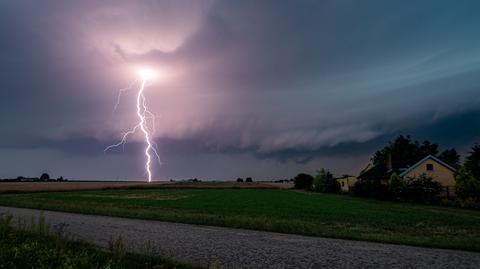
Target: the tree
pixel 303 181
pixel 248 179
pixel 45 177
pixel 472 163
pixel 466 185
pixel 324 182
pixel 397 186
pixel 427 148
pixel 450 156
pixel 404 152
pixel 239 179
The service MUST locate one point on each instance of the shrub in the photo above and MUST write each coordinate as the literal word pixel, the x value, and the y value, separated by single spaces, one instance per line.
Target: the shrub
pixel 239 179
pixel 303 181
pixel 248 179
pixel 324 182
pixel 468 203
pixel 397 187
pixel 466 185
pixel 370 188
pixel 422 189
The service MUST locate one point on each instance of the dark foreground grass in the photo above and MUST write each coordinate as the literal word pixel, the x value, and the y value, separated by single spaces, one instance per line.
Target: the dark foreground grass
pixel 285 211
pixel 35 246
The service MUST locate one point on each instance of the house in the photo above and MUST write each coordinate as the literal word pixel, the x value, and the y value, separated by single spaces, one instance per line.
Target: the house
pixel 431 166
pixel 435 168
pixel 346 182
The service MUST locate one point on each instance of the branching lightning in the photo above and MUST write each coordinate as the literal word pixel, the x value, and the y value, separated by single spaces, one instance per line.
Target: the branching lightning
pixel 145 119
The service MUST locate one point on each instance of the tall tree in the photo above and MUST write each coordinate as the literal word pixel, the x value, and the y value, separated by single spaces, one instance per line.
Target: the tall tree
pixel 472 163
pixel 450 156
pixel 324 182
pixel 428 148
pixel 404 152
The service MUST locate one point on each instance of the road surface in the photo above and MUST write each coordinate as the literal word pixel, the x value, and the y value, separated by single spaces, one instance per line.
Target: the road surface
pixel 238 248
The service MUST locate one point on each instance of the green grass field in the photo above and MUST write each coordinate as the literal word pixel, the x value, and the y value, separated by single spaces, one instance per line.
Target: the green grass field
pixel 286 211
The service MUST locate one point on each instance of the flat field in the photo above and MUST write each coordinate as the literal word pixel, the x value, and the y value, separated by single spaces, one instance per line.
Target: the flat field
pixel 285 211
pixel 24 187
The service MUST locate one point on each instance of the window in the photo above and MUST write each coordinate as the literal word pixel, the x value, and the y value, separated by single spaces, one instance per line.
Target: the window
pixel 429 166
pixel 343 184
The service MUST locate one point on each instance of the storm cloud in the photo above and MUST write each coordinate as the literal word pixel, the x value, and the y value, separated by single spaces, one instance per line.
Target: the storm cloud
pixel 267 88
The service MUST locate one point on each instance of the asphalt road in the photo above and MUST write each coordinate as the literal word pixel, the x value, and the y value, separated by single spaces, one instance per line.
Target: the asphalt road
pixel 237 248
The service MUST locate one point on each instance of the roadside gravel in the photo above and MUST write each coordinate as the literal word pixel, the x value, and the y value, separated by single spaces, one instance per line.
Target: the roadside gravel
pixel 237 248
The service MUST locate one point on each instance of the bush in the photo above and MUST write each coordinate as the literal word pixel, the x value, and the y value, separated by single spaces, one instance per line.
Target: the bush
pixel 324 182
pixel 303 181
pixel 239 179
pixel 397 187
pixel 370 188
pixel 422 189
pixel 248 179
pixel 466 185
pixel 468 203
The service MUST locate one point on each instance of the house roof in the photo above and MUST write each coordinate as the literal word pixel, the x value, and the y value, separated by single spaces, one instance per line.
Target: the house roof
pixel 424 159
pixel 379 171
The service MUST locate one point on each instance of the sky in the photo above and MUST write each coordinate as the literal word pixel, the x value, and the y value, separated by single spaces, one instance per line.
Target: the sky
pixel 262 89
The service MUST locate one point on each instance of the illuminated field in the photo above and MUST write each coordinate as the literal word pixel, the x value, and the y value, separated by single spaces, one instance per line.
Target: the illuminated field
pixel 285 211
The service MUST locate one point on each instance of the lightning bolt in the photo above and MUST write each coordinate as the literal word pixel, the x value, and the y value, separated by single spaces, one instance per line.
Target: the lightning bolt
pixel 145 118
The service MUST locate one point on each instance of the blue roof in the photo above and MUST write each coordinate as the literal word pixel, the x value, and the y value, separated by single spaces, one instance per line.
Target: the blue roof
pixel 424 159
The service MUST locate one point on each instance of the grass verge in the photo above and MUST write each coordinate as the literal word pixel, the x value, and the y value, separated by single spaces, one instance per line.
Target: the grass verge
pixel 35 246
pixel 337 216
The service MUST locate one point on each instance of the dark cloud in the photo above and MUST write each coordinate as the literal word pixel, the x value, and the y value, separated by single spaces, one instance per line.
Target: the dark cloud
pixel 296 83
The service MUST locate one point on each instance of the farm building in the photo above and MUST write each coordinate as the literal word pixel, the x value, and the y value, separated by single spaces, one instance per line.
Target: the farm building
pixel 346 182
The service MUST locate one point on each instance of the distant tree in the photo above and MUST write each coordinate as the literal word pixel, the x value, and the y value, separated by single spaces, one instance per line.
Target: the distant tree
pixel 19 178
pixel 303 181
pixel 60 179
pixel 239 179
pixel 324 182
pixel 472 163
pixel 45 177
pixel 248 179
pixel 450 156
pixel 397 186
pixel 466 185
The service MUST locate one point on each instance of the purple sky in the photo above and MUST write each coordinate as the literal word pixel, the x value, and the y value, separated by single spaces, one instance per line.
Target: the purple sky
pixel 265 89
